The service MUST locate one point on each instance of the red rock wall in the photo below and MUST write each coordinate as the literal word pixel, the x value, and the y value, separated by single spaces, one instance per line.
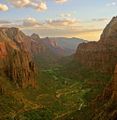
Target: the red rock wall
pixel 101 55
pixel 15 58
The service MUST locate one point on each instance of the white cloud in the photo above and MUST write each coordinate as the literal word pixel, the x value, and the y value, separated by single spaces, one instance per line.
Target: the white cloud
pixel 20 3
pixel 62 22
pixel 3 7
pixel 30 22
pixel 66 15
pixel 38 5
pixel 111 4
pixel 42 6
pixel 61 1
pixel 4 23
pixel 58 27
pixel 100 19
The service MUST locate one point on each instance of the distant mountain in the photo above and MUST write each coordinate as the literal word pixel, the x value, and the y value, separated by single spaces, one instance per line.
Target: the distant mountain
pixel 45 52
pixel 68 44
pixel 53 49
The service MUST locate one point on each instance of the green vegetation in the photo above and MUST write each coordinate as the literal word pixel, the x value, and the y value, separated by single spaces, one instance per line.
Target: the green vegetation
pixel 41 114
pixel 62 92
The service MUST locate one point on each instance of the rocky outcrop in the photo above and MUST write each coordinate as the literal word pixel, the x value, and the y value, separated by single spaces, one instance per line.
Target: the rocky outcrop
pixel 15 57
pixel 105 106
pixel 101 55
pixel 110 32
pixel 114 85
pixel 37 47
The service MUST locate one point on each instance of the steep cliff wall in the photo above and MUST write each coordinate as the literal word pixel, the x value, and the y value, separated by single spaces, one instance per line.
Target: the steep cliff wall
pixel 105 105
pixel 15 58
pixel 101 55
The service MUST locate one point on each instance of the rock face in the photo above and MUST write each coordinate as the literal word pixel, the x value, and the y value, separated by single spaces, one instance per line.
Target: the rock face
pixel 101 55
pixel 36 45
pixel 45 52
pixel 114 85
pixel 15 57
pixel 110 32
pixel 106 106
pixel 49 46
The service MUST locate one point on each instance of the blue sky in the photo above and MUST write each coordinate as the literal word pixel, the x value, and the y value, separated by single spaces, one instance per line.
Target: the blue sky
pixel 69 18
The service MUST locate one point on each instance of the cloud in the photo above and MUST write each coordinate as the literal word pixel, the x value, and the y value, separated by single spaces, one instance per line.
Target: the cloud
pixel 4 22
pixel 40 6
pixel 88 34
pixel 58 23
pixel 66 15
pixel 58 27
pixel 66 27
pixel 62 22
pixel 3 7
pixel 20 3
pixel 111 4
pixel 61 1
pixel 30 22
pixel 99 19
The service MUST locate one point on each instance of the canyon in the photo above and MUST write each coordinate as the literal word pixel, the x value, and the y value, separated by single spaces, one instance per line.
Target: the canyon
pixel 33 78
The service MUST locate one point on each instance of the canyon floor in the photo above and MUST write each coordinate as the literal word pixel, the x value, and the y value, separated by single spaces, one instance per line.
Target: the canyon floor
pixel 60 93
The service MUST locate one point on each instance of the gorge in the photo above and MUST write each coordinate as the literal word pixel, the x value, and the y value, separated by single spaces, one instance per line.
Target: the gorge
pixel 39 80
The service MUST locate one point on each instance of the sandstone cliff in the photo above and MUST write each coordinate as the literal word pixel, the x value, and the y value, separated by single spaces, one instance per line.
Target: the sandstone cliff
pixel 105 106
pixel 15 59
pixel 101 55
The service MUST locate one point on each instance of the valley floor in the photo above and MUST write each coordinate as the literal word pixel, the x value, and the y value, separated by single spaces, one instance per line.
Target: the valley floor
pixel 59 94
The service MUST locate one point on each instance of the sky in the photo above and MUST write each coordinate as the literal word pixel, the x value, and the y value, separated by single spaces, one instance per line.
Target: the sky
pixel 84 19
